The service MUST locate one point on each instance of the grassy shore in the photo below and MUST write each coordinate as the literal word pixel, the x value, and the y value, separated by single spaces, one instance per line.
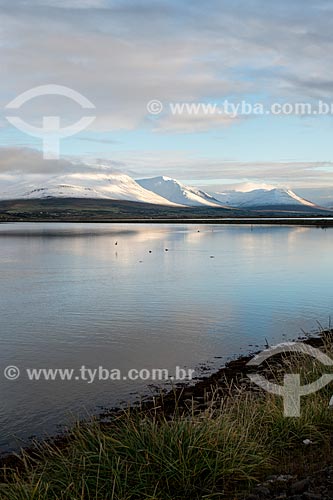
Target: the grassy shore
pixel 214 443
pixel 90 210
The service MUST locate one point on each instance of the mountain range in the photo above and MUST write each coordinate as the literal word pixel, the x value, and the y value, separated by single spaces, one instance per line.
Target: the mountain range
pixel 259 198
pixel 112 186
pixel 175 191
pixel 159 190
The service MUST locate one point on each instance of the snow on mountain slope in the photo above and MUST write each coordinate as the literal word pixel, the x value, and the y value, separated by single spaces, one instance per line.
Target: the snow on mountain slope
pixel 112 186
pixel 262 198
pixel 157 190
pixel 176 192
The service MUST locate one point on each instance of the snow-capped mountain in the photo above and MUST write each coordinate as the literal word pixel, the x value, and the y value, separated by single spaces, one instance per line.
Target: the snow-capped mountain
pixel 176 192
pixel 160 190
pixel 113 186
pixel 258 198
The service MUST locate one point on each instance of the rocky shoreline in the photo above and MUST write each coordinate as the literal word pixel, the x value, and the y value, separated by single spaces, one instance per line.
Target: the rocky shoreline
pixel 208 393
pixel 315 486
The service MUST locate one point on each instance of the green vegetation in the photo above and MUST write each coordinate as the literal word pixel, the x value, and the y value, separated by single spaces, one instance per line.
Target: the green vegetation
pixel 210 452
pixel 90 210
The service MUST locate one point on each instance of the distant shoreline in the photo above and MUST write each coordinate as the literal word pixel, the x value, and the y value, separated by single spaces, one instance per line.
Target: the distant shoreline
pixel 307 221
pixel 117 211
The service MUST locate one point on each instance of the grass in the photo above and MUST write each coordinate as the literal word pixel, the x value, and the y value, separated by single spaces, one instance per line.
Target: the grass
pixel 207 454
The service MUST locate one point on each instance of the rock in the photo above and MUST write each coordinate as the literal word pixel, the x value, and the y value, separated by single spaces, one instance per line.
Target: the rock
pixel 263 492
pixel 300 486
pixel 281 478
pixel 312 496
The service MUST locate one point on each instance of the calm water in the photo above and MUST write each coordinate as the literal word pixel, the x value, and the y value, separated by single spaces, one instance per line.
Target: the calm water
pixel 70 297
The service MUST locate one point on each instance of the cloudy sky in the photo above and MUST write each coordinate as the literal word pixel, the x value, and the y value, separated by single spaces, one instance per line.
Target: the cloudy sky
pixel 122 54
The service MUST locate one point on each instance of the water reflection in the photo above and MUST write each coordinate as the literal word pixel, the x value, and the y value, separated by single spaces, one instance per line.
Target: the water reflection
pixel 71 296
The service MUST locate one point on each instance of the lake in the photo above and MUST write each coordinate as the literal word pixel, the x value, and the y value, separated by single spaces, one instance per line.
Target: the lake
pixel 145 296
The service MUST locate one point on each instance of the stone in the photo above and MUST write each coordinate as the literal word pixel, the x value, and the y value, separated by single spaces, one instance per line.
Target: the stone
pixel 263 492
pixel 312 496
pixel 300 486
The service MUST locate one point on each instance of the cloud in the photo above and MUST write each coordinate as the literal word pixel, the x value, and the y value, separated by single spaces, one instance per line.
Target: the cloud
pixel 66 4
pixel 97 140
pixel 245 187
pixel 214 174
pixel 26 161
pixel 190 123
pixel 120 54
